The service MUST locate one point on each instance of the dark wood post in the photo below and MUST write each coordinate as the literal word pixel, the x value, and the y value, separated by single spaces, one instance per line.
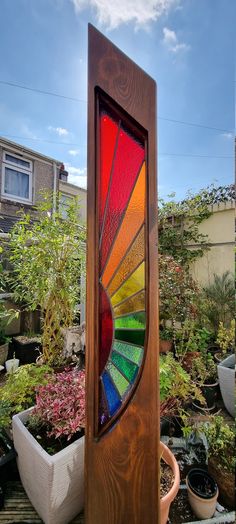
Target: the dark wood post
pixel 122 432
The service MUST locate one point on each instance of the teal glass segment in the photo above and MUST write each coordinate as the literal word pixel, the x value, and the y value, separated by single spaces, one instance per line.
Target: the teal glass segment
pixel 133 353
pixel 120 382
pixel 134 336
pixel 127 368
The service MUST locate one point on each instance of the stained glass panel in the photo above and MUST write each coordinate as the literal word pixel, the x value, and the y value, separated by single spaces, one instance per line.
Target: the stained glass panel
pixel 131 352
pixel 134 257
pixel 108 134
pixel 135 336
pixel 122 319
pixel 130 305
pixel 132 285
pixel 129 369
pixel 133 219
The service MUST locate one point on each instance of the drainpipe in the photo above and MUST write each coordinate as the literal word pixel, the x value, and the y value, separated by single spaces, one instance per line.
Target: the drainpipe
pixel 54 188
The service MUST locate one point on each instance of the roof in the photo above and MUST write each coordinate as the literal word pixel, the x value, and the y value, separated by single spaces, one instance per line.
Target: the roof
pixel 9 143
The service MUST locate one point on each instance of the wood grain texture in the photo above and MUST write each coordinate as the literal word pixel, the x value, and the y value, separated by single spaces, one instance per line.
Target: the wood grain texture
pixel 122 468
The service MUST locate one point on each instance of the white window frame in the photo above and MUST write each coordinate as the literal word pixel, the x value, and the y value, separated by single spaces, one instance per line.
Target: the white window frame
pixel 27 171
pixel 62 205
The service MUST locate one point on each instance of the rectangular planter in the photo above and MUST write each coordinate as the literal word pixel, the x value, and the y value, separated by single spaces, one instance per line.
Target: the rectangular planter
pixel 54 484
pixel 27 352
pixel 226 374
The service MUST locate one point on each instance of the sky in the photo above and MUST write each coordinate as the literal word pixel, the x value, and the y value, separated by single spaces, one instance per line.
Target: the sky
pixel 187 46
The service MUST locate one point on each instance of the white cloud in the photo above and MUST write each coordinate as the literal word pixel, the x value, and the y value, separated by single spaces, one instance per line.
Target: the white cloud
pixel 73 152
pixel 170 40
pixel 77 175
pixel 61 131
pixel 227 135
pixel 112 14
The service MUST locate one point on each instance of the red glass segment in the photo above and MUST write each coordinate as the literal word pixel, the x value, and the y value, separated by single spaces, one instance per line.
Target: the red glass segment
pixel 127 164
pixel 105 328
pixel 108 136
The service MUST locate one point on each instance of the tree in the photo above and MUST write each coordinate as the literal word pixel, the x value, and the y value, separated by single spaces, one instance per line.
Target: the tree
pixel 47 255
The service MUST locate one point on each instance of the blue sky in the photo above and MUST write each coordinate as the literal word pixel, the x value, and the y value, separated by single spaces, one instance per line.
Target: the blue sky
pixel 187 46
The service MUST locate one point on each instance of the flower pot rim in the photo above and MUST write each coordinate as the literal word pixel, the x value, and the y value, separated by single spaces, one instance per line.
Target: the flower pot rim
pixel 194 492
pixel 175 470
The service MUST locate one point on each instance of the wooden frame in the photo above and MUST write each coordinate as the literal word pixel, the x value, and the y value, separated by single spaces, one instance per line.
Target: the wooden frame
pixel 122 465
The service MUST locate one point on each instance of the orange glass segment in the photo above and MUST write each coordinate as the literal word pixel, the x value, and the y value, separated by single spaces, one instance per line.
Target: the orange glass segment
pixel 132 221
pixel 132 304
pixel 133 258
pixel 132 285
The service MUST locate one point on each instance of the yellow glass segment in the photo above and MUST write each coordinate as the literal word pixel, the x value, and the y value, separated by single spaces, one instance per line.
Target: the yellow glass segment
pixel 133 258
pixel 132 285
pixel 132 304
pixel 132 221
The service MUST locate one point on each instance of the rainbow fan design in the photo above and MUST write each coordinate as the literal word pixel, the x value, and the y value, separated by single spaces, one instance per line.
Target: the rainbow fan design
pixel 122 297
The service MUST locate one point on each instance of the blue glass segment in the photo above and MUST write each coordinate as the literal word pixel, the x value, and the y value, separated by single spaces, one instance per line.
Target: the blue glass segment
pixel 113 399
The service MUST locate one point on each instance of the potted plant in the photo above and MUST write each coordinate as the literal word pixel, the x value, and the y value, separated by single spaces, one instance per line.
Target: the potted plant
pixel 226 374
pixel 50 447
pixel 27 347
pixel 225 340
pixel 47 257
pixel 202 493
pixel 18 392
pixel 166 339
pixel 168 457
pixel 12 364
pixel 221 457
pixel 204 373
pixel 6 317
pixel 177 390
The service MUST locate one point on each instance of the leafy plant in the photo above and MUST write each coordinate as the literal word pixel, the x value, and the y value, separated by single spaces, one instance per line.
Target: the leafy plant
pixel 60 405
pixel 166 333
pixel 47 255
pixel 226 336
pixel 18 393
pixel 221 442
pixel 177 290
pixel 192 338
pixel 204 370
pixel 176 386
pixel 6 317
pixel 220 300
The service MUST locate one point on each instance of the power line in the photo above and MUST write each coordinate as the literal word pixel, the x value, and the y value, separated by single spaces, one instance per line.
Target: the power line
pixel 77 145
pixel 74 99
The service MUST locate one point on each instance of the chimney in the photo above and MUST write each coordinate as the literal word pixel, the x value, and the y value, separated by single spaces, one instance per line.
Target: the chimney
pixel 63 174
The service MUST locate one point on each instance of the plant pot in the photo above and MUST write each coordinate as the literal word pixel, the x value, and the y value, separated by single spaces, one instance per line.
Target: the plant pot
pixel 165 345
pixel 210 393
pixel 12 365
pixel 26 349
pixel 7 459
pixel 226 374
pixel 225 480
pixel 3 353
pixel 54 484
pixel 202 493
pixel 165 503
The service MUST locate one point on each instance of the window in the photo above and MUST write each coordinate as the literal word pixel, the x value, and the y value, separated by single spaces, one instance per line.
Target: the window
pixel 65 201
pixel 16 178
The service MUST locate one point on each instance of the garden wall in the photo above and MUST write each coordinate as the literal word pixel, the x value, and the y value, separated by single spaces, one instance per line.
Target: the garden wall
pixel 220 228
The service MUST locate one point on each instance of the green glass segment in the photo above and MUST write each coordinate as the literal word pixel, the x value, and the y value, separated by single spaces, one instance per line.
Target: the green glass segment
pixel 137 320
pixel 129 369
pixel 134 336
pixel 133 353
pixel 120 382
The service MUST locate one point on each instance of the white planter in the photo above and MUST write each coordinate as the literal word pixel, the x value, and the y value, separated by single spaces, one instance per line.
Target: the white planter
pixel 12 364
pixel 53 483
pixel 226 374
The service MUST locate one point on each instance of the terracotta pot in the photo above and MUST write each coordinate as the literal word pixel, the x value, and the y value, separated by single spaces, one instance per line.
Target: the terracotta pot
pixel 165 345
pixel 202 503
pixel 170 459
pixel 225 480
